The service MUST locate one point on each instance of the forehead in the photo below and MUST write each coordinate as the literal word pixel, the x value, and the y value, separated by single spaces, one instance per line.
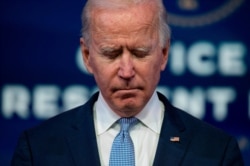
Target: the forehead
pixel 123 21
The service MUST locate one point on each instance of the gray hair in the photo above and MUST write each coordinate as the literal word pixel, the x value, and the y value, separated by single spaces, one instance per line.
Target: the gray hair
pixel 164 29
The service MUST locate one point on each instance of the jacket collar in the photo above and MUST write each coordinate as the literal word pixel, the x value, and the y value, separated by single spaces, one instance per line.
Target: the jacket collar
pixel 174 138
pixel 82 139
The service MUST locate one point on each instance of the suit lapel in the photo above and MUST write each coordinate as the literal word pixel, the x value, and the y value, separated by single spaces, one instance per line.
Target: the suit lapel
pixel 83 145
pixel 82 138
pixel 171 152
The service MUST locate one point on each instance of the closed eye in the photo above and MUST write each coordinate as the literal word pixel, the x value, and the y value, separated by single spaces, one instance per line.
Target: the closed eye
pixel 140 53
pixel 111 53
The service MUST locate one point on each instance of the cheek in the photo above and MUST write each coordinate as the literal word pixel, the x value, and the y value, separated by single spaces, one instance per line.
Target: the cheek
pixel 96 65
pixel 155 71
pixel 103 73
pixel 156 65
pixel 149 72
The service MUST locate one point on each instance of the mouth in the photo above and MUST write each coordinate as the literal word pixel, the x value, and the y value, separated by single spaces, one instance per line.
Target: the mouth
pixel 126 90
pixel 126 93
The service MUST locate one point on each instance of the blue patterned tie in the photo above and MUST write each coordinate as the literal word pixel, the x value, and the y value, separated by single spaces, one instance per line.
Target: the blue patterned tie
pixel 122 152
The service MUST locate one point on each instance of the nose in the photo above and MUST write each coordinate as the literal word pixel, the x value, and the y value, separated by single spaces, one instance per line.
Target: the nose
pixel 126 68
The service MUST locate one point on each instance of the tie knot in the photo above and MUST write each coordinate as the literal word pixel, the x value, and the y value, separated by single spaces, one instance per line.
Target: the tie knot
pixel 127 123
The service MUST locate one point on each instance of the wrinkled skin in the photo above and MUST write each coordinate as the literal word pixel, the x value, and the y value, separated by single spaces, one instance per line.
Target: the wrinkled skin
pixel 125 56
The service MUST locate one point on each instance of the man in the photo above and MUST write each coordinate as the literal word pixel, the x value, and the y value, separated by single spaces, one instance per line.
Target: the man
pixel 125 46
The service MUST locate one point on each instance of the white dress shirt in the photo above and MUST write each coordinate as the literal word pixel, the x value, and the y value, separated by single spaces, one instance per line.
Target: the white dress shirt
pixel 144 134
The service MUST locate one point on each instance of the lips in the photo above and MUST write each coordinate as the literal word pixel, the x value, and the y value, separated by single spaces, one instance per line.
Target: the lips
pixel 126 89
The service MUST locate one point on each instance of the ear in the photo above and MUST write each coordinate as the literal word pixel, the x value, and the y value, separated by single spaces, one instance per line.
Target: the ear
pixel 165 51
pixel 86 55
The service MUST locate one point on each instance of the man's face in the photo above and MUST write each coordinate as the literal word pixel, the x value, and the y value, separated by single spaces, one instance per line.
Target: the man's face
pixel 125 57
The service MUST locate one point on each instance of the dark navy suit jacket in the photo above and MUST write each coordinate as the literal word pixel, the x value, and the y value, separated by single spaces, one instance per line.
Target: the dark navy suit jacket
pixel 69 139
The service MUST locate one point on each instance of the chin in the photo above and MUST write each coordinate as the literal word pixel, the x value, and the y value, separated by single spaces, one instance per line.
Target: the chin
pixel 129 111
pixel 132 106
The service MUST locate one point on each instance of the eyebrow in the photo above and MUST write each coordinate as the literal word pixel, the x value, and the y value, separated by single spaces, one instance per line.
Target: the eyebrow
pixel 145 49
pixel 110 49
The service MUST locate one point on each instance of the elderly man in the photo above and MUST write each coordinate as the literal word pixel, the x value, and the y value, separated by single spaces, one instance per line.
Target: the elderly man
pixel 125 46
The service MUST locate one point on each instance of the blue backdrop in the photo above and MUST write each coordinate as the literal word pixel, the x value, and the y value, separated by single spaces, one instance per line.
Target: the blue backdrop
pixel 42 73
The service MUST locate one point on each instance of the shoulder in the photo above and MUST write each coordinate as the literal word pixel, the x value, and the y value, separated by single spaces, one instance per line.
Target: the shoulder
pixel 51 138
pixel 65 121
pixel 194 128
pixel 210 141
pixel 204 140
pixel 182 119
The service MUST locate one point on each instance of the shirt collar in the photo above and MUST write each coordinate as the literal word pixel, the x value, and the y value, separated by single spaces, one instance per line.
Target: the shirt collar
pixel 151 115
pixel 104 116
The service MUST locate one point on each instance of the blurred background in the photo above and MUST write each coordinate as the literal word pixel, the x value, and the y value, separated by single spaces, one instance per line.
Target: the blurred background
pixel 42 72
